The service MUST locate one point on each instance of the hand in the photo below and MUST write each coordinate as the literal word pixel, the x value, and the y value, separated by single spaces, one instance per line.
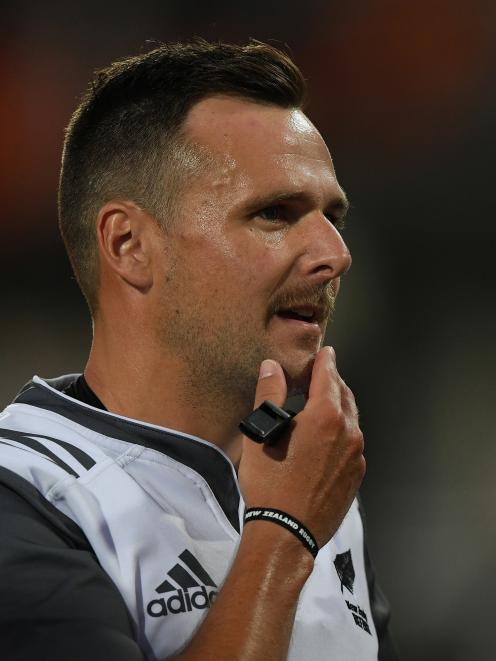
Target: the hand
pixel 315 470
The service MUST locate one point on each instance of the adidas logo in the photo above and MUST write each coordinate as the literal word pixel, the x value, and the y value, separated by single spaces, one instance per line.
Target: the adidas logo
pixel 191 593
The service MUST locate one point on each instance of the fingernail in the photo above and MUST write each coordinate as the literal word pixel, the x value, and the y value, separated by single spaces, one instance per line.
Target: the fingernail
pixel 267 368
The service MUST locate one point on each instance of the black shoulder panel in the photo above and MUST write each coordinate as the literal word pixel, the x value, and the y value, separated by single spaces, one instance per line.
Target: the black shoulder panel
pixel 19 493
pixel 205 460
pixel 57 602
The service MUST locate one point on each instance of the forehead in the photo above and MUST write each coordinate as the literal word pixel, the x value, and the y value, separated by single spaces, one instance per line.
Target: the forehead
pixel 261 146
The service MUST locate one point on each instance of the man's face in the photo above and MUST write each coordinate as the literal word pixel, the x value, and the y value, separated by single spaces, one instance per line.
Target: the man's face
pixel 253 251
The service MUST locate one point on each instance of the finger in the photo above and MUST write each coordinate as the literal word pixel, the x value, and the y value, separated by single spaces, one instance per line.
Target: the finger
pixel 325 381
pixel 348 402
pixel 271 384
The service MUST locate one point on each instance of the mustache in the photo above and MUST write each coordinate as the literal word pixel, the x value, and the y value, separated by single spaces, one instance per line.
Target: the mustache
pixel 305 294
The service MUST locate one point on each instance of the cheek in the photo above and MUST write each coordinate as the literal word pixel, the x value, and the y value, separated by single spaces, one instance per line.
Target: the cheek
pixel 258 272
pixel 238 263
pixel 240 266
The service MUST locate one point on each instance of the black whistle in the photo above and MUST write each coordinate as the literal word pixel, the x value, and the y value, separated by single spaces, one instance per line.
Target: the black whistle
pixel 266 423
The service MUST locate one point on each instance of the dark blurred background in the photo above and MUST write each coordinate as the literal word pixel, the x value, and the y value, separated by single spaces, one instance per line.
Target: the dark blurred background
pixel 405 95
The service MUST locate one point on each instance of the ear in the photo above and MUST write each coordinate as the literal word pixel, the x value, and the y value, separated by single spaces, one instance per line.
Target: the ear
pixel 123 233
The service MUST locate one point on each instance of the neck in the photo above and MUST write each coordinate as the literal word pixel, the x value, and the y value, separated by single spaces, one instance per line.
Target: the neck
pixel 140 382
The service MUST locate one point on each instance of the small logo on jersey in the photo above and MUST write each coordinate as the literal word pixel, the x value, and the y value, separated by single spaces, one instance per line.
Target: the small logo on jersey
pixel 345 569
pixel 346 572
pixel 192 593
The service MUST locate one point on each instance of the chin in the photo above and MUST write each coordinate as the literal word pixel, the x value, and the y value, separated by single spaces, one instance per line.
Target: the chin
pixel 298 377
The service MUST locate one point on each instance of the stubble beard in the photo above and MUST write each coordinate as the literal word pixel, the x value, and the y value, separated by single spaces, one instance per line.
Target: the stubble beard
pixel 222 370
pixel 221 362
pixel 222 357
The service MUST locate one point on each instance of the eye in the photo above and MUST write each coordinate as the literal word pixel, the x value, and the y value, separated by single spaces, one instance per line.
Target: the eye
pixel 272 214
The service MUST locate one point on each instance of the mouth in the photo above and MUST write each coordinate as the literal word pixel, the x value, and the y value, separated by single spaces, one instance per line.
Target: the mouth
pixel 308 315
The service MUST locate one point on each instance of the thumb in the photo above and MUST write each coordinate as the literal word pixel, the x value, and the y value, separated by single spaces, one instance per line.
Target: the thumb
pixel 271 384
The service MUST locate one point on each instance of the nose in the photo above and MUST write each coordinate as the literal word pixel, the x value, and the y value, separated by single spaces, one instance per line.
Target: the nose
pixel 326 254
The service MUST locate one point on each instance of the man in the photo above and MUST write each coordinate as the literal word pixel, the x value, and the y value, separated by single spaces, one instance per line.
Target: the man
pixel 201 212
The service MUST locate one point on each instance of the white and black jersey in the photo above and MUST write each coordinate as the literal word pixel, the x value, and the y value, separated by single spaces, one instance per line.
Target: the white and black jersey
pixel 116 536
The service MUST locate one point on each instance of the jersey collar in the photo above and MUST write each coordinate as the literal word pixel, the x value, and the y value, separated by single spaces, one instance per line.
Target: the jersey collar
pixel 200 455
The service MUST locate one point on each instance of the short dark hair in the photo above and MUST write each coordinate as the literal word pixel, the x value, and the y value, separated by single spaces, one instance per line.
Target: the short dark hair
pixel 122 137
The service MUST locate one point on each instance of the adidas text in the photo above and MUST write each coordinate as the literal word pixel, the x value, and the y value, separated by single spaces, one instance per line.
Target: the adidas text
pixel 182 601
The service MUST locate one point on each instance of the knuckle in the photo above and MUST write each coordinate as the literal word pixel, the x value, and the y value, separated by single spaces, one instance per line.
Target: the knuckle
pixel 362 467
pixel 331 414
pixel 348 391
pixel 358 440
pixel 350 397
pixel 355 454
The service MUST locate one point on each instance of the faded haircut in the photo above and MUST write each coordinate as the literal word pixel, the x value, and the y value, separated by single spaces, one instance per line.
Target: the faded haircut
pixel 124 139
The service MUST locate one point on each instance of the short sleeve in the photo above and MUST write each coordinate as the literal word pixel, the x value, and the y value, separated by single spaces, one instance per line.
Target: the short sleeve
pixel 56 602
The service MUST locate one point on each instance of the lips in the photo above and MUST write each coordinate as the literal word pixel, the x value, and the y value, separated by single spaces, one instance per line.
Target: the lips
pixel 312 314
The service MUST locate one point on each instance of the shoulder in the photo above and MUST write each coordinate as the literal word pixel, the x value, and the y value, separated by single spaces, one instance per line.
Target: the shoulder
pixel 56 599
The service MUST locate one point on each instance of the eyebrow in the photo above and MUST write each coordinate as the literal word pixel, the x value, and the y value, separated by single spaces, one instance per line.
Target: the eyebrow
pixel 338 204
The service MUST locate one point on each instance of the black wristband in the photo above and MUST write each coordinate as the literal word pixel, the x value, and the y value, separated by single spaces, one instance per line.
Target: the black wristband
pixel 286 521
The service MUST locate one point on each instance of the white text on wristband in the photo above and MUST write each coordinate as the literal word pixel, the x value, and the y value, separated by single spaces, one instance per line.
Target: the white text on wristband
pixel 286 521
